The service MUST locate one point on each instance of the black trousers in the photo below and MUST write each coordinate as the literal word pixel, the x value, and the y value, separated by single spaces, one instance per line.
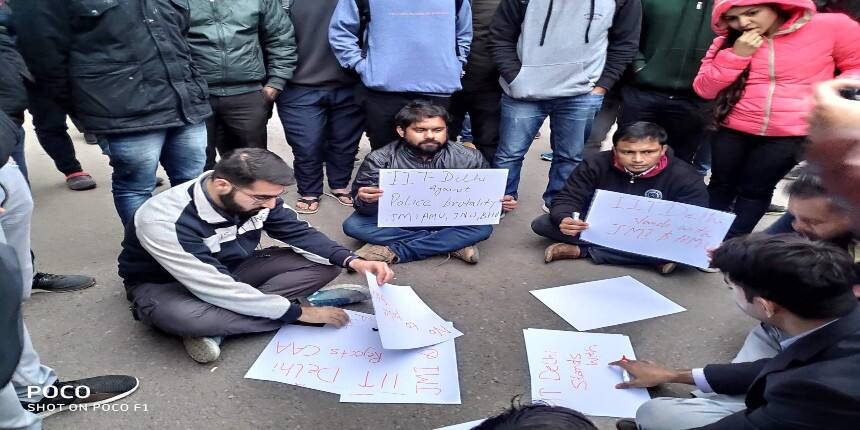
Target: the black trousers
pixel 485 110
pixel 49 120
pixel 380 107
pixel 683 117
pixel 237 121
pixel 745 171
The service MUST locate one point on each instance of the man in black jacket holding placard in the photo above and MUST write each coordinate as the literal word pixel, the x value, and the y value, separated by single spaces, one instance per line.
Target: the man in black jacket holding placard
pixel 638 164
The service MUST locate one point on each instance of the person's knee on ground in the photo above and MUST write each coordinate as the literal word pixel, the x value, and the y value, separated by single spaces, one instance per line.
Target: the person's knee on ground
pixel 356 226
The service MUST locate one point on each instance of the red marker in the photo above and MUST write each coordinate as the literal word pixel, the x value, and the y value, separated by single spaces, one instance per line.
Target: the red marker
pixel 624 374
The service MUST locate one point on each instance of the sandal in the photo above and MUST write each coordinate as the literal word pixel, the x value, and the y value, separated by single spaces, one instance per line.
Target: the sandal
pixel 340 196
pixel 309 201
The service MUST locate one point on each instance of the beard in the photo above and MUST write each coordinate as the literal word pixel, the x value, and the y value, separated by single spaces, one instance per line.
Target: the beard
pixel 230 205
pixel 429 146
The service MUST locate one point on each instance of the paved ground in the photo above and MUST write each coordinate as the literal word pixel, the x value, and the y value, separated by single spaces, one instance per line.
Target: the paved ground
pixel 92 332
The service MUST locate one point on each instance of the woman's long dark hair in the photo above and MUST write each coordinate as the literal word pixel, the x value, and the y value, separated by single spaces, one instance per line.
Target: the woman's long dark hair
pixel 730 95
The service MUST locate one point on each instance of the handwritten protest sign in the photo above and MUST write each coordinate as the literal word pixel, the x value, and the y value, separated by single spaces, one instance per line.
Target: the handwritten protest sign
pixel 656 228
pixel 440 197
pixel 424 375
pixel 591 305
pixel 404 320
pixel 319 357
pixel 571 369
pixel 351 361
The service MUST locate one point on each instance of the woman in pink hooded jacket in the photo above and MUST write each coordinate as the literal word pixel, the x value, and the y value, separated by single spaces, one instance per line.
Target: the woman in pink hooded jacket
pixel 761 70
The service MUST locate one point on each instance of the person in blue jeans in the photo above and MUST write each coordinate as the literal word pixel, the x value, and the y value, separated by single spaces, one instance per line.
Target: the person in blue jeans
pixel 423 144
pixel 557 59
pixel 321 118
pixel 126 73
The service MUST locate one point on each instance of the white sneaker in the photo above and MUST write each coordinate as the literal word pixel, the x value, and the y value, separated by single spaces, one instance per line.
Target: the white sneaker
pixel 202 349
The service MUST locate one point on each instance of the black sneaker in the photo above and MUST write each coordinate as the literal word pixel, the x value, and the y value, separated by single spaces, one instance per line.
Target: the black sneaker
pixel 98 390
pixel 50 283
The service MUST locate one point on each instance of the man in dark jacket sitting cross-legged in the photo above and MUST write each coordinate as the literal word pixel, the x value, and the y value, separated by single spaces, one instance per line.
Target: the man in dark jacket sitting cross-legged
pixel 638 164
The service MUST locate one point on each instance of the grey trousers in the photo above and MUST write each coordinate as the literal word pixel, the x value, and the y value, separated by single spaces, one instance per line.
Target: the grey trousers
pixel 173 309
pixel 672 413
pixel 15 232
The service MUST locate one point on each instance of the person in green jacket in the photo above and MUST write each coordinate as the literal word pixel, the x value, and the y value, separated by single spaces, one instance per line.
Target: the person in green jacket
pixel 247 52
pixel 675 36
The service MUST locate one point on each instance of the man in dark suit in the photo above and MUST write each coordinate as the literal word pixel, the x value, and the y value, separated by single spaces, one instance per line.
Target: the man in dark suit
pixel 801 287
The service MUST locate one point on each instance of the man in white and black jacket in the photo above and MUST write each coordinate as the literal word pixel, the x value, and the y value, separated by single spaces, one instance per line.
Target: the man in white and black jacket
pixel 192 266
pixel 557 59
pixel 638 164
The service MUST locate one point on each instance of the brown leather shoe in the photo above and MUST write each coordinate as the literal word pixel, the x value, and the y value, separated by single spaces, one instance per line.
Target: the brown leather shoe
pixel 372 252
pixel 561 251
pixel 626 424
pixel 468 254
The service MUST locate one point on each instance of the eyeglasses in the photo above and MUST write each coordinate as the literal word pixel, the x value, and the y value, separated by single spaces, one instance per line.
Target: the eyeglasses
pixel 259 198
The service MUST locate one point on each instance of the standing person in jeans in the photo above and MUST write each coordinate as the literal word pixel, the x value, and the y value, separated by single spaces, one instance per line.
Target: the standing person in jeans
pixel 760 71
pixel 557 59
pixel 481 95
pixel 321 119
pixel 675 36
pixel 246 52
pixel 124 70
pixel 402 51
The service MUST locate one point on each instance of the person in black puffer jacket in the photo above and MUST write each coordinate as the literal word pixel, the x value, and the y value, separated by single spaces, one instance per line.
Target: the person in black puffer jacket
pixel 124 69
pixel 654 173
pixel 424 144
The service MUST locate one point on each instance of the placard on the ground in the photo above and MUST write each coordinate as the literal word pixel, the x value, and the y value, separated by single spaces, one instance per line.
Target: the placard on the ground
pixel 440 197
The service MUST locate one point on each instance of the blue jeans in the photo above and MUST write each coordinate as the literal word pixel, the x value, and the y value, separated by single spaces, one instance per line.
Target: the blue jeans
pixel 135 157
pixel 322 127
pixel 418 243
pixel 570 125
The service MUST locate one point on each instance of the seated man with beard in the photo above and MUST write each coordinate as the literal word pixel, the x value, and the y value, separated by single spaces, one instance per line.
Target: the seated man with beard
pixel 423 144
pixel 193 267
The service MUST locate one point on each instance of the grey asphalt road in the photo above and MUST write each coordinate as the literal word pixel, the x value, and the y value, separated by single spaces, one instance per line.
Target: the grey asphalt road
pixel 91 332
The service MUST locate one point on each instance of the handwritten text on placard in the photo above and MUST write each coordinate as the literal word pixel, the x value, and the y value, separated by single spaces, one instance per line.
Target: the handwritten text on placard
pixel 440 197
pixel 656 228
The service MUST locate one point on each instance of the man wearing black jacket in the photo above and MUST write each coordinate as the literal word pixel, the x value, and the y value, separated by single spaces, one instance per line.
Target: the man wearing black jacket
pixel 124 69
pixel 639 165
pixel 481 94
pixel 557 59
pixel 801 287
pixel 423 145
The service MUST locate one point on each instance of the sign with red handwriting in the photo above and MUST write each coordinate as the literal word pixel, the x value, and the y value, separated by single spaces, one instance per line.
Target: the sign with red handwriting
pixel 404 320
pixel 440 197
pixel 350 361
pixel 571 369
pixel 656 228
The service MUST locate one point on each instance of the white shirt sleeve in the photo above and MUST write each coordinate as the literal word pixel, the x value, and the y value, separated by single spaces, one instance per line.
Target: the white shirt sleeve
pixel 701 381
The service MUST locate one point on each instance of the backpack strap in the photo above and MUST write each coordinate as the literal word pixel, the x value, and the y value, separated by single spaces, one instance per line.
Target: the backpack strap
pixel 363 21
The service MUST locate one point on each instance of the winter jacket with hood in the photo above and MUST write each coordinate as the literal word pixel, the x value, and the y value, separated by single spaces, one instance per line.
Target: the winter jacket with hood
pixel 807 49
pixel 675 37
pixel 400 155
pixel 241 45
pixel 411 46
pixel 674 180
pixel 548 49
